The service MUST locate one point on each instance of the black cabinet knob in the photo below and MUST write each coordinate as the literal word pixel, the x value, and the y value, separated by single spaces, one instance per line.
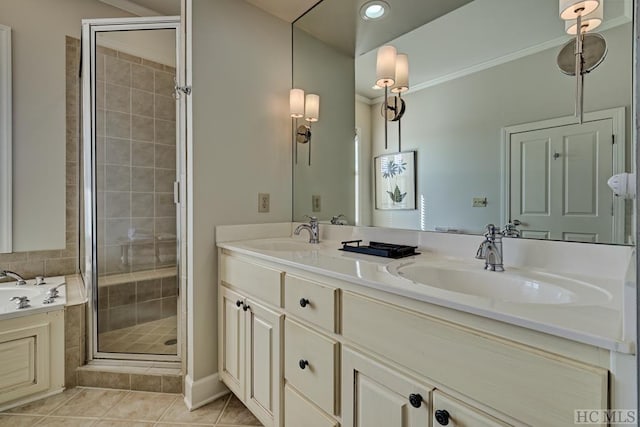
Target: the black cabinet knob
pixel 245 307
pixel 303 363
pixel 415 399
pixel 238 303
pixel 304 302
pixel 442 417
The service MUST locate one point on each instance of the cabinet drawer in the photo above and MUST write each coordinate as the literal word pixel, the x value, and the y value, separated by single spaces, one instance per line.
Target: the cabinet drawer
pixel 259 281
pixel 512 378
pixel 311 301
pixel 298 411
pixel 460 414
pixel 310 362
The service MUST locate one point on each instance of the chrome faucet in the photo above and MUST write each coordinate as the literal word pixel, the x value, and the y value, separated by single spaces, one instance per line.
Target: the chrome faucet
pixel 490 249
pixel 312 228
pixel 53 292
pixel 339 219
pixel 6 273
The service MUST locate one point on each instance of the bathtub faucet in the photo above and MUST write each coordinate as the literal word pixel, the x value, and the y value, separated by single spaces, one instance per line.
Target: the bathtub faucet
pixel 53 292
pixel 6 273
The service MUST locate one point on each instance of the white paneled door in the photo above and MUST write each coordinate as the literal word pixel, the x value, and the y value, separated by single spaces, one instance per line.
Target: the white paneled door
pixel 558 185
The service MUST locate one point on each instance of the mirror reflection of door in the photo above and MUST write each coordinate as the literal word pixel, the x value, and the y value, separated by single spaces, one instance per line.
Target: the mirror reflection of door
pixel 136 167
pixel 559 182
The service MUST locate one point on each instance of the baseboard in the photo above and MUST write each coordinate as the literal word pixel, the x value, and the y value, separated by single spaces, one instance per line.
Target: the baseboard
pixel 200 392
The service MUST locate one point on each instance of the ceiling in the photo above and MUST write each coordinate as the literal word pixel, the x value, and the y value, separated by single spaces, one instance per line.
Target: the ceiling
pixel 475 37
pixel 287 10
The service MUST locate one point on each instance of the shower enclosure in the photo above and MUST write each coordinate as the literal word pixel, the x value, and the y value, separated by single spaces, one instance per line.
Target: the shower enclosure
pixel 132 117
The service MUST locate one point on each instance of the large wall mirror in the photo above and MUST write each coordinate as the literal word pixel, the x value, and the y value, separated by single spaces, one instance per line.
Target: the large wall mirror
pixel 488 134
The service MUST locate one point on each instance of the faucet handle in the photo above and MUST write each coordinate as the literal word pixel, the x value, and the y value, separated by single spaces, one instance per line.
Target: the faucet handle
pixel 492 230
pixel 510 230
pixel 312 218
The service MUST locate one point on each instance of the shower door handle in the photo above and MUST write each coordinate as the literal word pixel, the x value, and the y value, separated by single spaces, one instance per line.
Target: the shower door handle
pixel 176 192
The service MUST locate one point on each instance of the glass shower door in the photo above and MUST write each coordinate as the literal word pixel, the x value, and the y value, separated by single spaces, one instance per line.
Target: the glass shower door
pixel 135 165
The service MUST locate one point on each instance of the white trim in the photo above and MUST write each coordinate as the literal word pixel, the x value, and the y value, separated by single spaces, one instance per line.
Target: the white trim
pixel 6 159
pixel 365 100
pixel 131 7
pixel 617 115
pixel 200 392
pixel 549 44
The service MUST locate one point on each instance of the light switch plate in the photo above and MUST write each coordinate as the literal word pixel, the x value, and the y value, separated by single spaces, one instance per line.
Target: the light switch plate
pixel 316 205
pixel 263 202
pixel 479 202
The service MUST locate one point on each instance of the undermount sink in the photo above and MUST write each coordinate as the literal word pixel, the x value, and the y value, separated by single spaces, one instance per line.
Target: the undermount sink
pixel 514 285
pixel 283 245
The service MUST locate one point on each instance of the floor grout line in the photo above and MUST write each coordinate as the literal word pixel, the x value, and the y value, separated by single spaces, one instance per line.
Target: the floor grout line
pixel 224 408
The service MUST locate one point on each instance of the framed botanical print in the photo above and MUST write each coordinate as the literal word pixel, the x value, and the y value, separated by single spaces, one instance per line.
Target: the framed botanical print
pixel 395 181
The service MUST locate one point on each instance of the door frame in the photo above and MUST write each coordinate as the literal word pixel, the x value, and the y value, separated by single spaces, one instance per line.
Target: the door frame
pixel 90 28
pixel 617 115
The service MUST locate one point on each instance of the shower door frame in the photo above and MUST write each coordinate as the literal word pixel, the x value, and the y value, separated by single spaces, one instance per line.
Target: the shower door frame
pixel 90 29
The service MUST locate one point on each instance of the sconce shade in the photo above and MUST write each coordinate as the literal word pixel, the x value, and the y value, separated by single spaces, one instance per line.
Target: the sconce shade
pixel 296 103
pixel 589 22
pixel 312 108
pixel 402 74
pixel 571 9
pixel 386 66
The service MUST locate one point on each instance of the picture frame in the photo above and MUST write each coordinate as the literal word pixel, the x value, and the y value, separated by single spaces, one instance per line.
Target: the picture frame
pixel 395 181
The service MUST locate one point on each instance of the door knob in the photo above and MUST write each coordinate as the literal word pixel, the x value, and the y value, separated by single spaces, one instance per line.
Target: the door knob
pixel 303 363
pixel 304 302
pixel 245 307
pixel 238 303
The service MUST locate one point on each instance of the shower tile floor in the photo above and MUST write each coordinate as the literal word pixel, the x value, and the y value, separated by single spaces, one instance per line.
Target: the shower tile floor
pixel 147 337
pixel 107 407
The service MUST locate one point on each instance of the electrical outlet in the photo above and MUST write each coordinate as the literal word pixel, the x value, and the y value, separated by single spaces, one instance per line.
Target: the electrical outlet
pixel 263 202
pixel 479 202
pixel 315 203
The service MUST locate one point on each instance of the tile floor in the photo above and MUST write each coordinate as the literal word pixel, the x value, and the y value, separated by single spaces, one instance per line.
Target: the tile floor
pixel 107 407
pixel 147 337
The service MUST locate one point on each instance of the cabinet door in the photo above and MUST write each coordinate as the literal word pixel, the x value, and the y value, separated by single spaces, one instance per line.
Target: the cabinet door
pixel 262 361
pixel 377 396
pixel 231 339
pixel 451 412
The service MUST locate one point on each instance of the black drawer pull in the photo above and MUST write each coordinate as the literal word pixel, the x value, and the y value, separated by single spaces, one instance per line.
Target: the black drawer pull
pixel 415 399
pixel 303 363
pixel 304 302
pixel 238 303
pixel 442 417
pixel 245 307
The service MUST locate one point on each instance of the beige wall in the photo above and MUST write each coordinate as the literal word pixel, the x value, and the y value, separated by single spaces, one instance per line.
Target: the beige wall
pixel 39 30
pixel 241 144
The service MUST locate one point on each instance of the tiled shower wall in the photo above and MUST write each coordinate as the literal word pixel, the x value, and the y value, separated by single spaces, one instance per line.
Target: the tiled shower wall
pixel 136 159
pixel 63 261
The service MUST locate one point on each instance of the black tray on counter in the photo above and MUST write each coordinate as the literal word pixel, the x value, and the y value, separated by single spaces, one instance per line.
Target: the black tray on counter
pixel 386 250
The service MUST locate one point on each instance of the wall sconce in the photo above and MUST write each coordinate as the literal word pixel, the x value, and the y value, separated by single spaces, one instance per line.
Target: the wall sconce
pixel 392 71
pixel 303 106
pixel 582 55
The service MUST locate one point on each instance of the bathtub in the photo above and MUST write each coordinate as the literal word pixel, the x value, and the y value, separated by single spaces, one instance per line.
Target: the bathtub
pixel 31 343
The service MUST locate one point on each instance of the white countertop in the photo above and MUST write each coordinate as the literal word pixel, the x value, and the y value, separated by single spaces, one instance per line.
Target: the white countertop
pixel 597 325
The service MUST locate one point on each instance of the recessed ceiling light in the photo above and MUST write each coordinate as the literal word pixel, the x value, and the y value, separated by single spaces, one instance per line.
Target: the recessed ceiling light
pixel 374 10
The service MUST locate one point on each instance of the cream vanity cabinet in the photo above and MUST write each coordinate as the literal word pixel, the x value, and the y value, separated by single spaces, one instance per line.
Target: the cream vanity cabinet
pixel 250 348
pixel 359 357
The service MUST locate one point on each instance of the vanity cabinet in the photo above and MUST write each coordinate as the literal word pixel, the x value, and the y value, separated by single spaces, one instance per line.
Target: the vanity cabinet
pixel 250 356
pixel 375 395
pixel 359 357
pixel 448 411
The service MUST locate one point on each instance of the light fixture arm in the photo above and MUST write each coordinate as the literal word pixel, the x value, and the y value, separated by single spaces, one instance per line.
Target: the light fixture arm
pixel 579 70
